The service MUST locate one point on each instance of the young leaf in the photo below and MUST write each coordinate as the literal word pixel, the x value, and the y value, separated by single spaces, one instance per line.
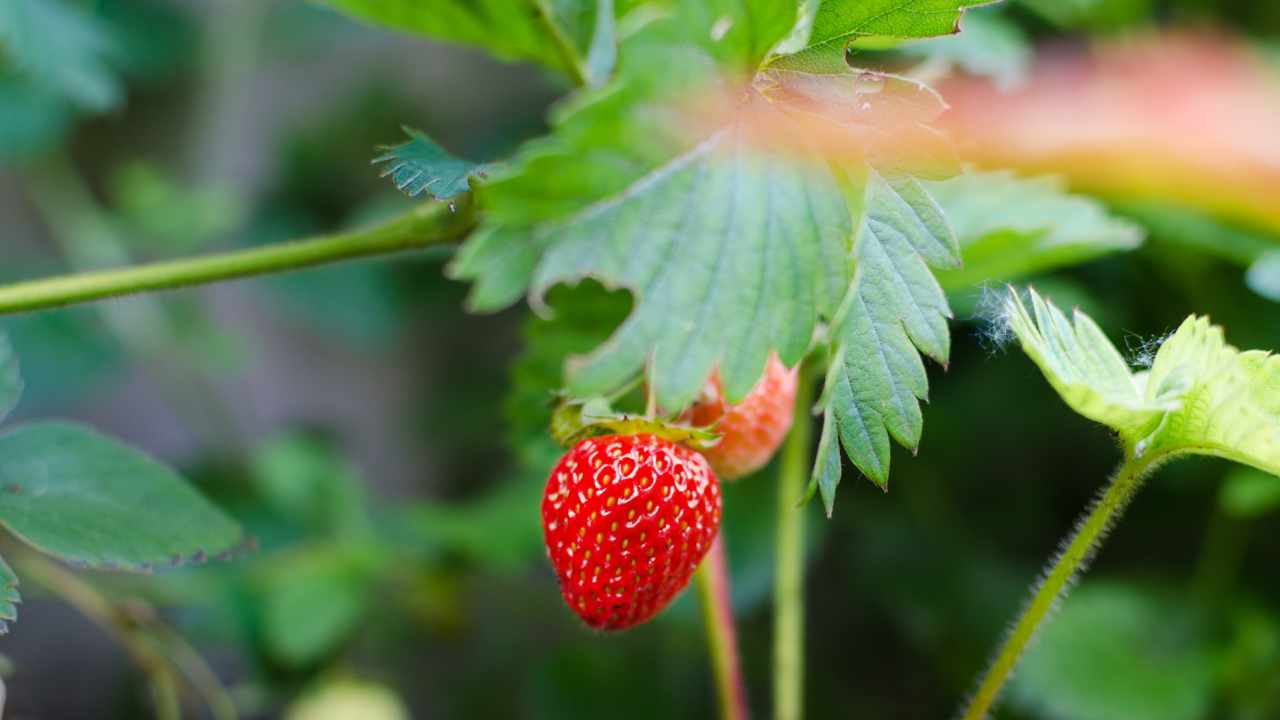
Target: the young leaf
pixel 9 597
pixel 10 379
pixel 840 22
pixel 1201 395
pixel 1084 367
pixel 420 165
pixel 85 498
pixel 1229 400
pixel 1011 227
pixel 894 308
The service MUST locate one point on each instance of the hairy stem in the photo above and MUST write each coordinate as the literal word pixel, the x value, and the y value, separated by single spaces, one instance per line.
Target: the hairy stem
pixel 1077 553
pixel 717 617
pixel 428 224
pixel 788 588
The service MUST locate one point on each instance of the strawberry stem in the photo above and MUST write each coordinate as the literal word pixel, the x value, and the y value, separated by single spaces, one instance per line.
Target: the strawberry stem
pixel 788 588
pixel 717 616
pixel 1059 577
pixel 426 225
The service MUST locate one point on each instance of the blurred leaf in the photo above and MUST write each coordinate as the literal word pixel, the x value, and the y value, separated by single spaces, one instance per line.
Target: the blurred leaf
pixel 501 530
pixel 1095 14
pixel 62 47
pixel 420 165
pixel 162 215
pixel 313 598
pixel 988 45
pixel 1264 276
pixel 896 311
pixel 1201 395
pixel 1201 231
pixel 1249 493
pixel 308 482
pixel 85 498
pixel 65 354
pixel 1118 651
pixel 32 120
pixel 348 699
pixel 1010 227
pixel 10 378
pixel 841 22
pixel 9 597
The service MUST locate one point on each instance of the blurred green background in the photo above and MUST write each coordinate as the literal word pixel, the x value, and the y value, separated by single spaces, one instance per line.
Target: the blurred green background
pixel 387 450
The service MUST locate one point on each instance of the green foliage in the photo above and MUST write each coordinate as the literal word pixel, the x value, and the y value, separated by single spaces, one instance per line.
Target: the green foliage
pixel 10 378
pixel 91 501
pixel 1201 395
pixel 1119 651
pixel 1011 227
pixel 841 22
pixel 421 166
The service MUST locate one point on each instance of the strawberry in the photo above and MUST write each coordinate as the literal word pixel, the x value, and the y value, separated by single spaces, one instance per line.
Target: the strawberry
pixel 627 519
pixel 752 429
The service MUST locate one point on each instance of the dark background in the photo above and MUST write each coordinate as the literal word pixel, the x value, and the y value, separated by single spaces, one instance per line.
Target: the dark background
pixel 356 420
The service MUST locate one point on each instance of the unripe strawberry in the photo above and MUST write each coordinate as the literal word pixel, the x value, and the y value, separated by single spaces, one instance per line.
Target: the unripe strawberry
pixel 627 519
pixel 751 430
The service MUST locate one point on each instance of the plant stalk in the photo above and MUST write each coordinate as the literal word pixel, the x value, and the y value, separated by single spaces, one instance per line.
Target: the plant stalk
pixel 1080 549
pixel 788 588
pixel 433 223
pixel 717 617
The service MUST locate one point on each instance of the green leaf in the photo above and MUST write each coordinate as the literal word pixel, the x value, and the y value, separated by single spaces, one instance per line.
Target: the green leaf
pixel 1011 227
pixel 991 45
pixel 1201 395
pixel 727 253
pixel 1084 367
pixel 1249 493
pixel 10 379
pixel 1118 651
pixel 841 22
pixel 85 498
pixel 420 165
pixel 569 35
pixel 895 311
pixel 9 597
pixel 1229 400
pixel 60 47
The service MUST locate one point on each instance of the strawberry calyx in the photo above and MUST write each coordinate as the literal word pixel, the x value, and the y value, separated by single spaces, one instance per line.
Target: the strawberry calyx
pixel 577 419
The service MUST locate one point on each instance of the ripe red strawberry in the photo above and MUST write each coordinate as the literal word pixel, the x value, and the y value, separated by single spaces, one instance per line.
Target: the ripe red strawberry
pixel 753 429
pixel 627 519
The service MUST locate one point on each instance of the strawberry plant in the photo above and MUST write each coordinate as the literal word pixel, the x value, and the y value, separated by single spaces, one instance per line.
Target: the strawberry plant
pixel 743 232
